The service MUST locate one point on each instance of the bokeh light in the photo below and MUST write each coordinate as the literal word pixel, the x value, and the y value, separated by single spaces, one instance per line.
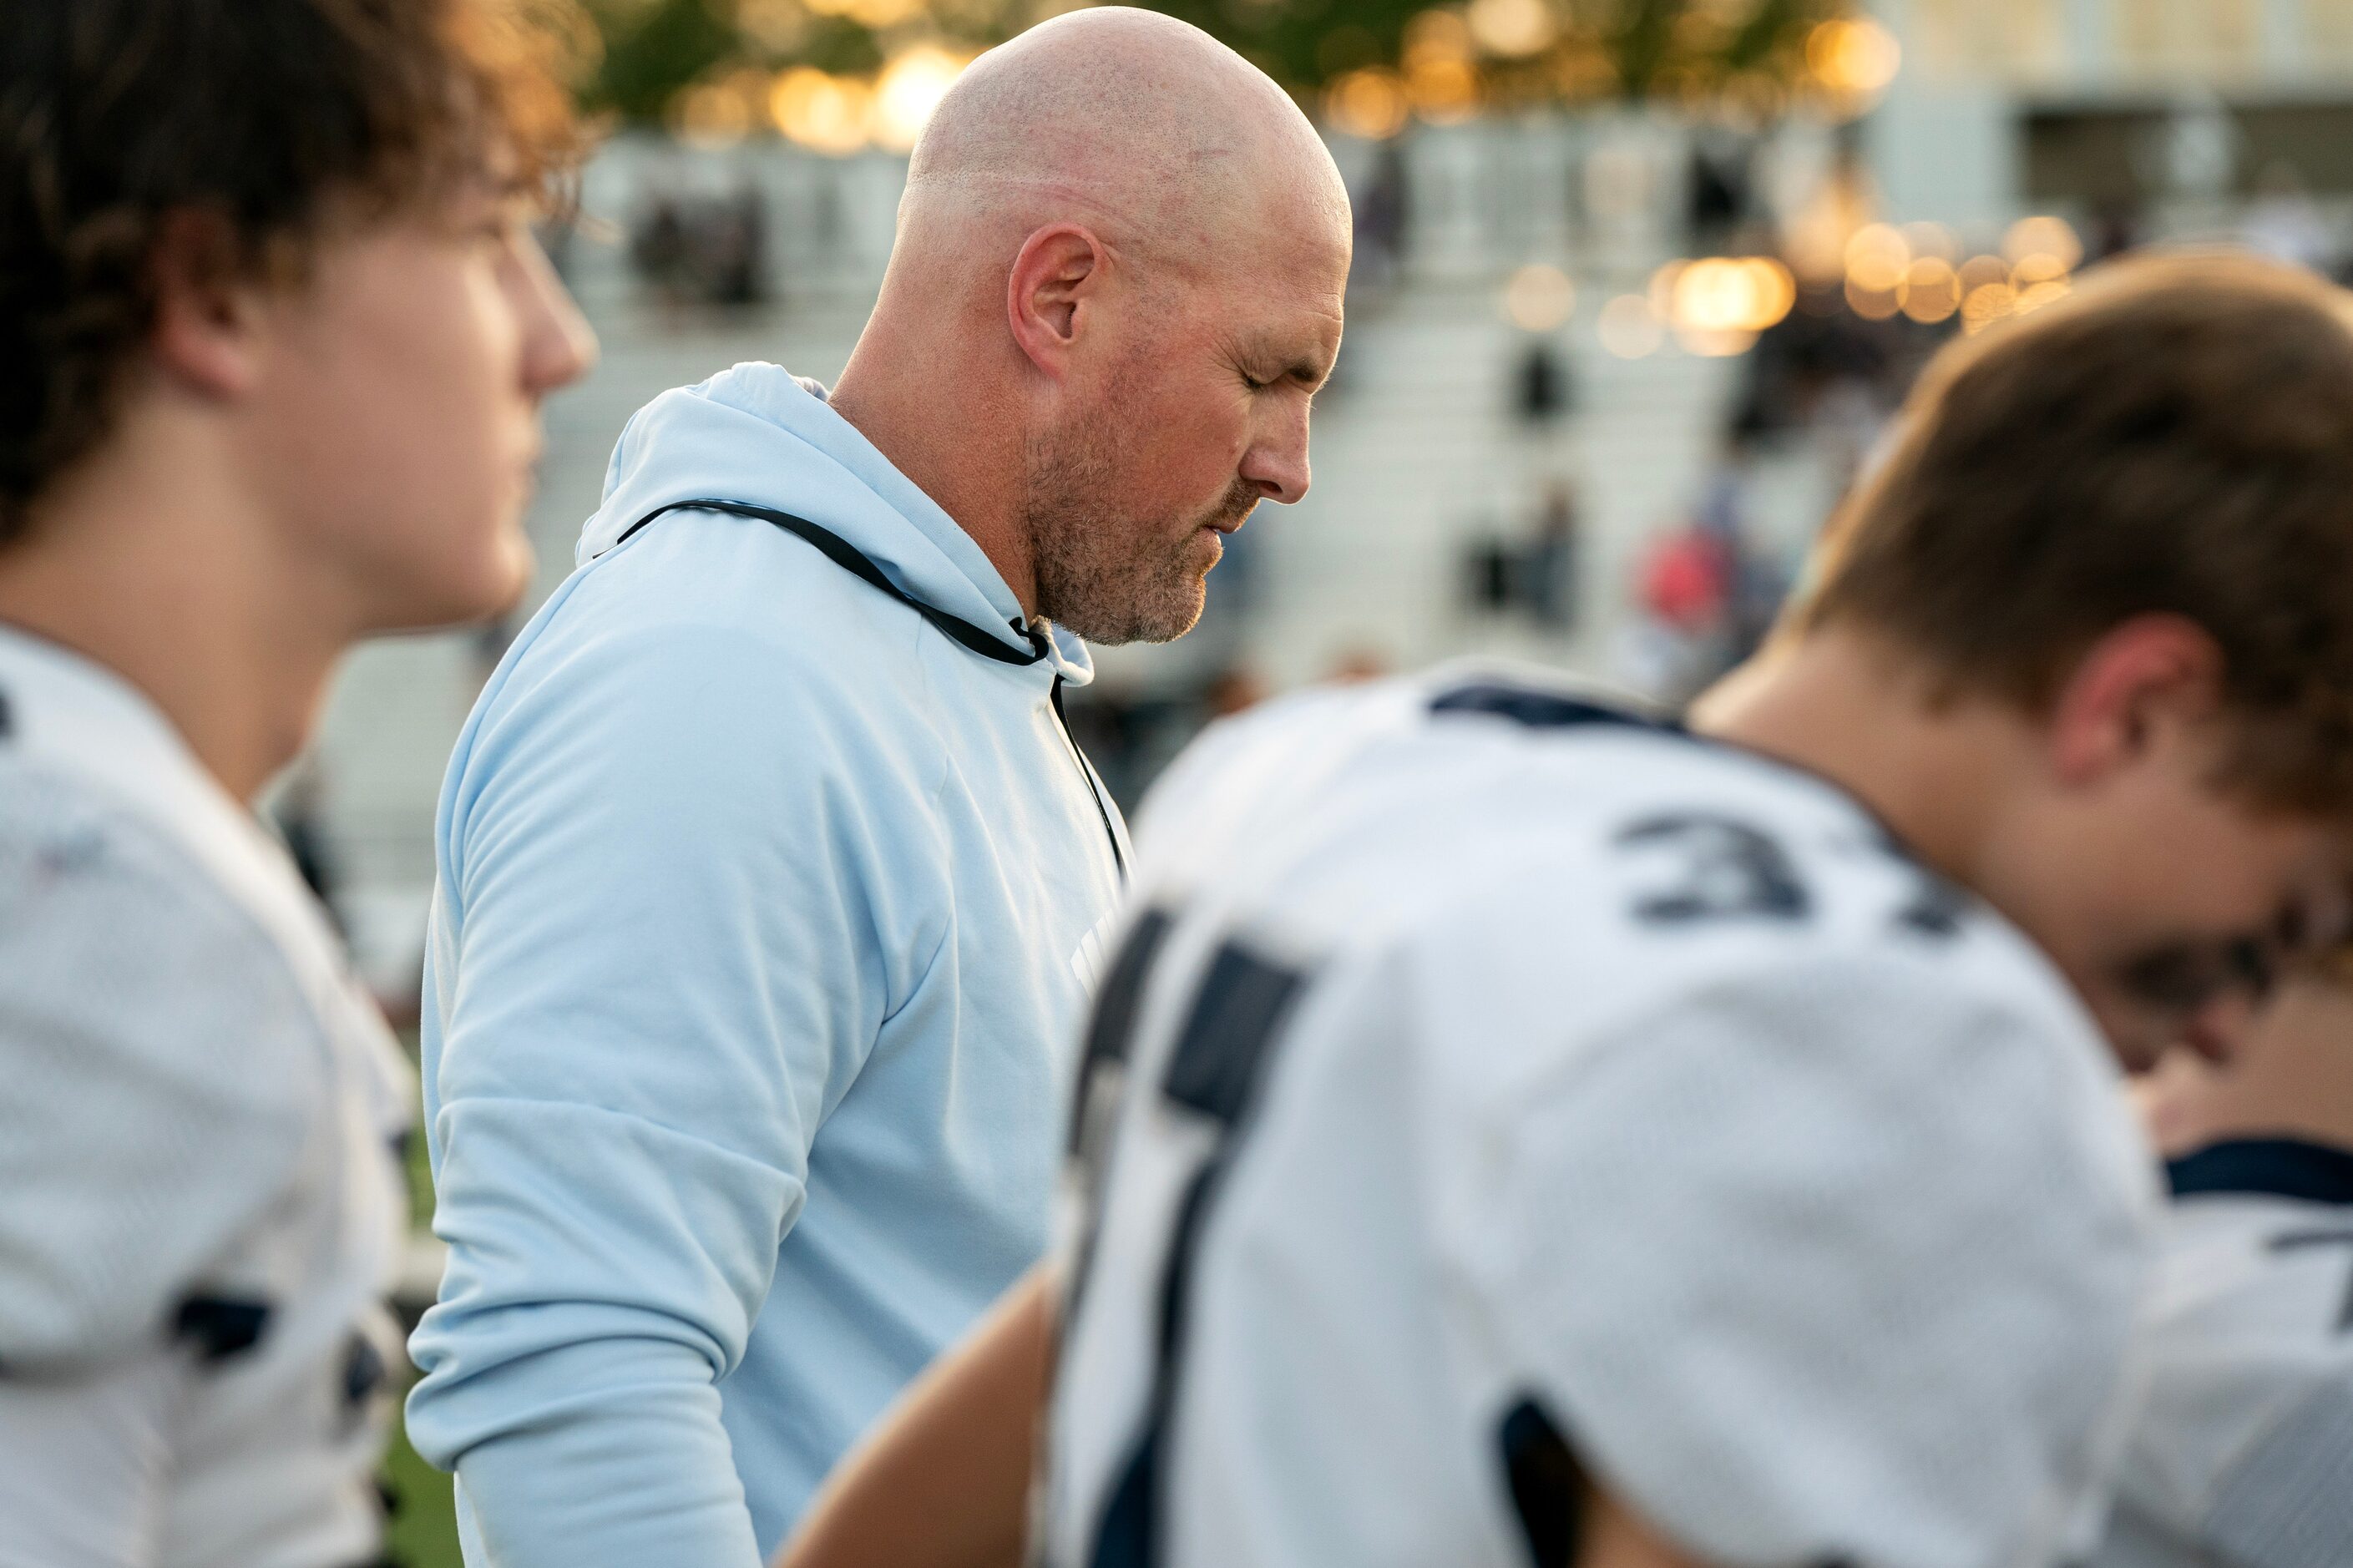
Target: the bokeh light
pixel 823 112
pixel 908 90
pixel 1931 239
pixel 1539 298
pixel 1661 295
pixel 711 115
pixel 1513 29
pixel 2036 296
pixel 1979 271
pixel 1877 257
pixel 1370 103
pixel 1986 304
pixel 1931 290
pixel 1714 344
pixel 1874 304
pixel 1628 328
pixel 2036 268
pixel 1853 58
pixel 1436 36
pixel 1717 305
pixel 873 14
pixel 778 26
pixel 2049 239
pixel 1725 294
pixel 1442 91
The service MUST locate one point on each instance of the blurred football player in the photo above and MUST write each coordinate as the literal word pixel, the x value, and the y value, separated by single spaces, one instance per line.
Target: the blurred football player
pixel 276 336
pixel 1514 1131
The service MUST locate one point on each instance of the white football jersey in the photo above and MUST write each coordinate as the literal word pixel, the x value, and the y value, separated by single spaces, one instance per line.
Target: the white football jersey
pixel 2243 1455
pixel 199 1204
pixel 1492 1090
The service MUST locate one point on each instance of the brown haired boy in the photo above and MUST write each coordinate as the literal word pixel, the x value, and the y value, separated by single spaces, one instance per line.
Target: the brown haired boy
pixel 2140 504
pixel 275 338
pixel 1542 1137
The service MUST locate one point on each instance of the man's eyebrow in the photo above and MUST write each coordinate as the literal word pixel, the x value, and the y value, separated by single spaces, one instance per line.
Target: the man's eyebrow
pixel 1264 351
pixel 1308 368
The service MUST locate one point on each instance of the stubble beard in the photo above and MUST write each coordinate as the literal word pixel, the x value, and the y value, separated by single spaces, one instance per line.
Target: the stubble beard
pixel 1101 572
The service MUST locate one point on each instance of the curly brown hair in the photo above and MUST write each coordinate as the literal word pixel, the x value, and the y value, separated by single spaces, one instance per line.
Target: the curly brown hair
pixel 2177 437
pixel 271 116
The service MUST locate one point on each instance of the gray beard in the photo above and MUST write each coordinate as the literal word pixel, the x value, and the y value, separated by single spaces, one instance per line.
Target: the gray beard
pixel 1085 584
pixel 1109 577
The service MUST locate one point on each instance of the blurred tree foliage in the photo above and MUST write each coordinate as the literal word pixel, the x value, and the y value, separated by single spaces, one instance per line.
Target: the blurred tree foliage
pixel 646 51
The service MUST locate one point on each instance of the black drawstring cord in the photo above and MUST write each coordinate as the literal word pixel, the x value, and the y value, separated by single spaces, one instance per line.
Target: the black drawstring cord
pixel 1094 787
pixel 847 556
pixel 851 559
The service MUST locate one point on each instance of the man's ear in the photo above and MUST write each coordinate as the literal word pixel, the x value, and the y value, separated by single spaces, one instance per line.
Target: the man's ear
pixel 207 307
pixel 1054 285
pixel 2145 685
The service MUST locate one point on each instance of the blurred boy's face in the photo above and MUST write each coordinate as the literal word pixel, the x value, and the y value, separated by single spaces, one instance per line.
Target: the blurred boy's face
pixel 2294 1078
pixel 2170 903
pixel 394 423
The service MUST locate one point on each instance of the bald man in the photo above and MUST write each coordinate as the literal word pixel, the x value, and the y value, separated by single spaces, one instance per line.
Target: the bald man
pixel 771 887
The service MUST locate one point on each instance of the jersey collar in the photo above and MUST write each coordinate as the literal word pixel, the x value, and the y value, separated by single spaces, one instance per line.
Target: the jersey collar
pixel 1539 708
pixel 66 711
pixel 2274 1167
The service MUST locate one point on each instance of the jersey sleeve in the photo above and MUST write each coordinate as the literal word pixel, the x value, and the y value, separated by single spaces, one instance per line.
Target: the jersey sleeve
pixel 1834 1258
pixel 162 1064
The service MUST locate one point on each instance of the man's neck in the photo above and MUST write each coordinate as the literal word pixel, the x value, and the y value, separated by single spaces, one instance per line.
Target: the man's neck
pixel 1858 713
pixel 941 422
pixel 188 607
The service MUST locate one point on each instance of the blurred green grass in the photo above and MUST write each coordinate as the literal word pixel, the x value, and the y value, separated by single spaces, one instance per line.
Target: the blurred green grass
pixel 422 1532
pixel 423 1529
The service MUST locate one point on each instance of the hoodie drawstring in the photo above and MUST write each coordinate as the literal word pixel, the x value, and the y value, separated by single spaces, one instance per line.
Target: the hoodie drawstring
pixel 977 639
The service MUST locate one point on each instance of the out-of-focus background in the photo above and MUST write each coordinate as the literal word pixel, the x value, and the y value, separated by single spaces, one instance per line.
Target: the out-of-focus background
pixel 1638 285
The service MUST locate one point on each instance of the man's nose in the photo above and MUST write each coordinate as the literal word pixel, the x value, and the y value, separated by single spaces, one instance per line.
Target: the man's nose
pixel 1277 465
pixel 1278 455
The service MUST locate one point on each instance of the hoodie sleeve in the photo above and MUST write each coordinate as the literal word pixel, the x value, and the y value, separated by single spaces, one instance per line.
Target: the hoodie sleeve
pixel 666 974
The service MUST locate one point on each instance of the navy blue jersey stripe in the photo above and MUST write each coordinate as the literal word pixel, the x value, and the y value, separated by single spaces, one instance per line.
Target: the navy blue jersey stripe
pixel 1218 1070
pixel 1539 709
pixel 1102 1081
pixel 2275 1167
pixel 1218 1059
pixel 1111 1029
pixel 221 1327
pixel 1547 1483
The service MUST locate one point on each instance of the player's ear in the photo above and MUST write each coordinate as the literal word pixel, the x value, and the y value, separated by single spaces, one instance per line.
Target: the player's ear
pixel 1053 290
pixel 2147 687
pixel 208 306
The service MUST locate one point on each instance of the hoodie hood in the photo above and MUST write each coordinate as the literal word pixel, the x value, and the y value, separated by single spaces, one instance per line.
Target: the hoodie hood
pixel 757 434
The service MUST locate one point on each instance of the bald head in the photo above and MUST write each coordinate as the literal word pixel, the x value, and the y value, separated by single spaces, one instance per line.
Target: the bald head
pixel 1141 125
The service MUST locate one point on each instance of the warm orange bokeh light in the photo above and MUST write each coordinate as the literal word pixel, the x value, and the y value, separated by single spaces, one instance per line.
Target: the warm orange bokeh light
pixel 1370 103
pixel 822 113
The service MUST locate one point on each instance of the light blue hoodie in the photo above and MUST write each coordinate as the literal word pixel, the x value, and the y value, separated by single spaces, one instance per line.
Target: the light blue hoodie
pixel 766 909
